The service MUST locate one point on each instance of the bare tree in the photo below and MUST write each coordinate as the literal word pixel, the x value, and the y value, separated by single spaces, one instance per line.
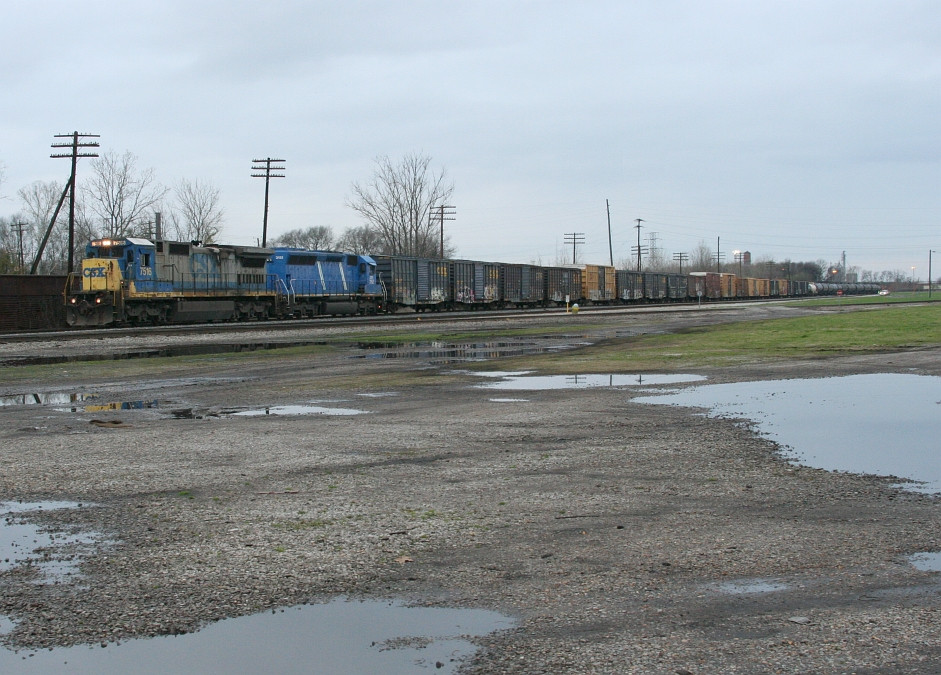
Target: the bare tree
pixel 701 259
pixel 361 240
pixel 120 194
pixel 10 244
pixel 39 200
pixel 398 201
pixel 317 238
pixel 198 215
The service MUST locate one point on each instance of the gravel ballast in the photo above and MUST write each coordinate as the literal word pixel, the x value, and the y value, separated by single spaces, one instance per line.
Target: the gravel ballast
pixel 610 531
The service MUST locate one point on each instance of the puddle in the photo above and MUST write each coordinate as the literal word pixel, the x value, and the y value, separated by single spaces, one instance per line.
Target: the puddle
pixel 42 399
pixel 54 556
pixel 524 382
pixel 444 353
pixel 340 637
pixel 287 410
pixel 6 625
pixel 926 562
pixel 751 586
pixel 509 400
pixel 379 394
pixel 111 405
pixel 149 353
pixel 75 402
pixel 884 424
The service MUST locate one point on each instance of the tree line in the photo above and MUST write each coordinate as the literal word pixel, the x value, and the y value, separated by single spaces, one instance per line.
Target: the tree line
pixel 119 198
pixel 398 206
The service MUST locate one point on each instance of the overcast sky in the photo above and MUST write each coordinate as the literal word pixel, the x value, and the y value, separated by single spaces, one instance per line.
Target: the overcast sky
pixel 791 129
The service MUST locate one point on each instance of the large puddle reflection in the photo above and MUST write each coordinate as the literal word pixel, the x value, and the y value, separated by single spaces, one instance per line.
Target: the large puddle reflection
pixel 884 424
pixel 522 381
pixel 340 637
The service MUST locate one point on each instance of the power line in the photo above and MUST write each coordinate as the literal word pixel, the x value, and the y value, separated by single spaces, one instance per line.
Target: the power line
pixel 441 214
pixel 573 239
pixel 19 228
pixel 681 258
pixel 640 250
pixel 271 168
pixel 719 255
pixel 74 155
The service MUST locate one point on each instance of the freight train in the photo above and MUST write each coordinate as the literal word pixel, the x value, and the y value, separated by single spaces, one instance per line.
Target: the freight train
pixel 137 281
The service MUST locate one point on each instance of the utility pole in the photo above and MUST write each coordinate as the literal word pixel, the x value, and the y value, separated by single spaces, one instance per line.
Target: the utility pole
pixel 929 273
pixel 640 250
pixel 739 256
pixel 573 239
pixel 273 168
pixel 19 227
pixel 441 214
pixel 74 155
pixel 681 258
pixel 719 255
pixel 610 247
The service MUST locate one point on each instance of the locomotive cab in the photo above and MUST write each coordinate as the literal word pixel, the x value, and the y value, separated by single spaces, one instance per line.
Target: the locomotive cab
pixel 109 266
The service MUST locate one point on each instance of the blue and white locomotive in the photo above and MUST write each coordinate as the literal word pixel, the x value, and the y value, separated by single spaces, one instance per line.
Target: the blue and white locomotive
pixel 134 280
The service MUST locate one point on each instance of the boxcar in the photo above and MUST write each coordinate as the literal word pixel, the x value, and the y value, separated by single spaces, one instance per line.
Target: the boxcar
pixel 655 286
pixel 696 285
pixel 630 285
pixel 523 285
pixel 563 284
pixel 746 287
pixel 475 283
pixel 715 286
pixel 418 283
pixel 598 283
pixel 677 287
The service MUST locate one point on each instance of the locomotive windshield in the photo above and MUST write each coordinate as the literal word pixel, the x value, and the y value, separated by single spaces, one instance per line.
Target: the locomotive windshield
pixel 106 248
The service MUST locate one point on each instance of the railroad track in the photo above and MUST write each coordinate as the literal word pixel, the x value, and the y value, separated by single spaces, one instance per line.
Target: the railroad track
pixel 333 322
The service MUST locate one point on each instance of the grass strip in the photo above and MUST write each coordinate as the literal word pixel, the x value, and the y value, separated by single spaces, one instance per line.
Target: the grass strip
pixel 883 329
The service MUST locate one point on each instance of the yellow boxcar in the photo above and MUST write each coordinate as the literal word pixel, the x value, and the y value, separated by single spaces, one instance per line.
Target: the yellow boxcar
pixel 598 283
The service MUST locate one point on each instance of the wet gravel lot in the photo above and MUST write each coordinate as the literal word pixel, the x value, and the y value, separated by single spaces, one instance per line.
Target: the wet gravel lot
pixel 621 537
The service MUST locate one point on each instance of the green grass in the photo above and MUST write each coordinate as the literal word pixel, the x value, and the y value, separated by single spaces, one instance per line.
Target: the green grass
pixel 880 330
pixel 893 299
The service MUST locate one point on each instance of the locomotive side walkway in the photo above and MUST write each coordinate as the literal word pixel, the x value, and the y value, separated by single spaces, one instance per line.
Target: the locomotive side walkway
pixel 604 527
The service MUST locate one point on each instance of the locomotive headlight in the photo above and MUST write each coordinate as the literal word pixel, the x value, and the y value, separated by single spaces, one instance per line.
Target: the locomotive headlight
pixel 97 301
